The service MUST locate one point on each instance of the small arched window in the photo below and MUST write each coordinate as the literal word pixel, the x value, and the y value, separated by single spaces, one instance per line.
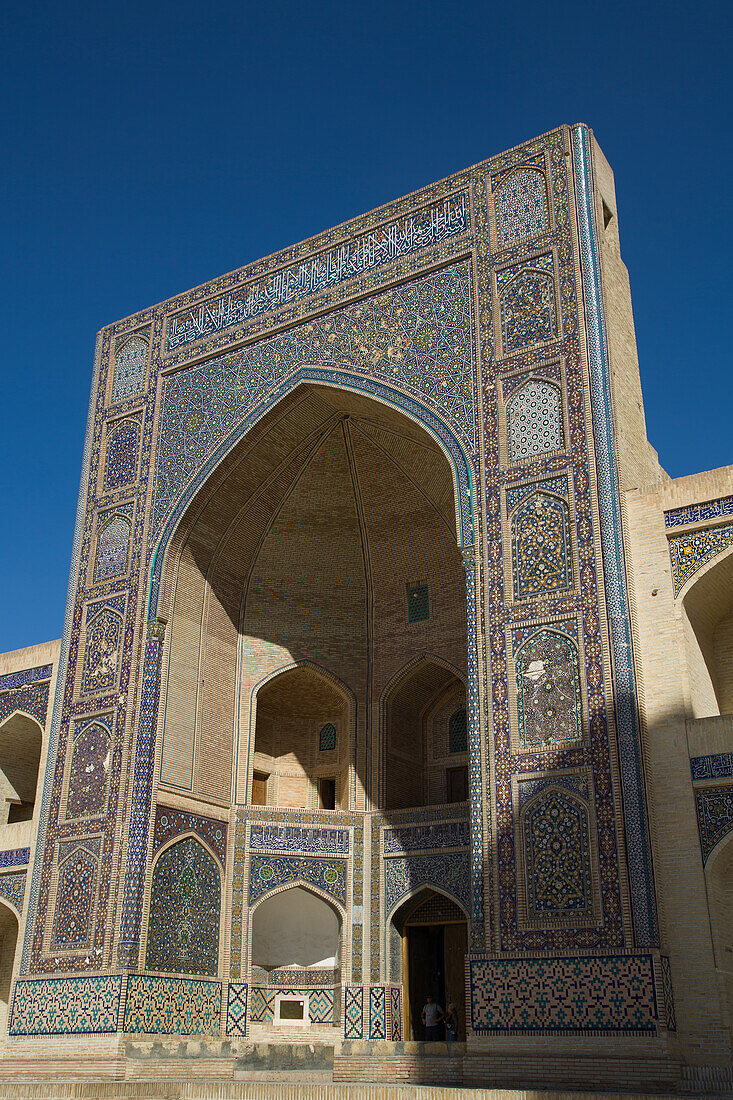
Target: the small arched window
pixel 327 738
pixel 458 732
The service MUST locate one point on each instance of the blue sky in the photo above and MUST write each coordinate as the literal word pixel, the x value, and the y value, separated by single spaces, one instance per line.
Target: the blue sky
pixel 149 147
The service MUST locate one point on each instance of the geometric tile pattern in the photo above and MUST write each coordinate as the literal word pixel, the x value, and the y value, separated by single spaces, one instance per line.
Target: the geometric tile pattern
pixel 113 542
pixel 613 994
pixel 688 553
pixel 556 846
pixel 377 1012
pixel 668 994
pixel 426 228
pixel 185 899
pixel 714 806
pixel 394 1013
pixel 131 361
pixel 172 1006
pixel 88 771
pixel 267 872
pixel 527 303
pixel 66 1006
pixel 170 823
pixel 540 546
pixel 262 1005
pixel 534 421
pixel 237 1009
pixel 520 199
pixel 30 698
pixel 12 889
pixel 123 445
pixel 447 872
pixel 699 513
pixel 548 691
pixel 354 1012
pixel 717 766
pixel 72 925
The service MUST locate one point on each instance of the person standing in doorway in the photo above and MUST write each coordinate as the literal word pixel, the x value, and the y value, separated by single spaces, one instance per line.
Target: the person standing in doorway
pixel 451 1023
pixel 432 1014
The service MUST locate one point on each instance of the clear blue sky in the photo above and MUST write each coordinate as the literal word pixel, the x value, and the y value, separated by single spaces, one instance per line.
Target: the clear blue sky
pixel 149 147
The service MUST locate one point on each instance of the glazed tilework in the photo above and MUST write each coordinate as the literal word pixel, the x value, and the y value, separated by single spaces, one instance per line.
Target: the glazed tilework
pixel 384 245
pixel 421 838
pixel 261 1005
pixel 540 534
pixel 450 873
pixel 394 1014
pixel 670 1015
pixel 102 651
pixel 131 363
pixel 88 770
pixel 25 676
pixel 236 1024
pixel 717 766
pixel 170 823
pixel 31 698
pixel 557 486
pixel 66 1006
pixel 172 1006
pixel 113 547
pixel 12 889
pixel 123 446
pixel 534 421
pixel 262 1001
pixel 15 857
pixel 714 807
pixel 298 838
pixel 688 553
pixel 549 709
pixel 612 994
pixel 267 872
pixel 699 513
pixel 527 303
pixel 75 895
pixel 354 1012
pixel 185 904
pixel 377 1012
pixel 557 855
pixel 520 202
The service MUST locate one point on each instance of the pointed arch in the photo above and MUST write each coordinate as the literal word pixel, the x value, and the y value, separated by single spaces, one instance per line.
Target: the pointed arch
pixel 185 909
pixel 556 841
pixel 540 539
pixel 130 368
pixel 21 743
pixel 89 771
pixel 548 690
pixel 113 548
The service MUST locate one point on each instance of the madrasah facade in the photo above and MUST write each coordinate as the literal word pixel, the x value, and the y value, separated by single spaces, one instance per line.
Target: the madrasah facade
pixel 393 664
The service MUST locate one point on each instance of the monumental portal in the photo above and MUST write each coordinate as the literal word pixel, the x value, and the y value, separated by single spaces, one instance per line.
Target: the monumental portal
pixel 393 664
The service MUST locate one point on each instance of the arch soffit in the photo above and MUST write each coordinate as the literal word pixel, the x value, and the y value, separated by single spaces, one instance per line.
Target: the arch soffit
pixel 5 903
pixel 713 563
pixel 425 888
pixel 303 884
pixel 716 855
pixel 315 375
pixel 553 788
pixel 189 834
pixel 20 713
pixel 308 666
pixel 403 674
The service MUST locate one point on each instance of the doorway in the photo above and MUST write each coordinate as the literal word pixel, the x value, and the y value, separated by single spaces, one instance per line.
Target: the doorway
pixel 434 945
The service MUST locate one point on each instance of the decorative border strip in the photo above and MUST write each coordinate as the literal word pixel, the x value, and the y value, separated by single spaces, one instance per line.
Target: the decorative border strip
pixel 27 676
pixel 66 1006
pixel 717 766
pixel 699 513
pixel 641 873
pixel 15 857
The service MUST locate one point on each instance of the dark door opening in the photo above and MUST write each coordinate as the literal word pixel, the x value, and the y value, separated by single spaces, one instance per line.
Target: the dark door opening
pixel 435 956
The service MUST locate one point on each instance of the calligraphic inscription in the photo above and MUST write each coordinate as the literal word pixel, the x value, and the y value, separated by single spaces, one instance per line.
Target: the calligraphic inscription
pixel 402 238
pixel 294 838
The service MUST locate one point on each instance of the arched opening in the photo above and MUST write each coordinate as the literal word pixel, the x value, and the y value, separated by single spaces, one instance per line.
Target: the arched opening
pixel 429 940
pixel 302 738
pixel 295 972
pixel 719 878
pixel 8 942
pixel 425 737
pixel 21 739
pixel 707 619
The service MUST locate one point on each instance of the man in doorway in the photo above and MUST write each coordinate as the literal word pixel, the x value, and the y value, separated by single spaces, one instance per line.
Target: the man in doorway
pixel 432 1014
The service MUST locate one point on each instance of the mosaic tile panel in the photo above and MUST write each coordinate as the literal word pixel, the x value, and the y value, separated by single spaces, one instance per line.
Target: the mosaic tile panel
pixel 394 1013
pixel 670 1015
pixel 123 446
pixel 298 838
pixel 527 303
pixel 171 823
pixel 236 1025
pixel 450 873
pixel 417 335
pixel 131 364
pixel 688 553
pixel 261 1005
pixel 549 708
pixel 716 766
pixel 540 534
pixel 15 857
pixel 557 856
pixel 101 652
pixel 556 486
pixel 66 1006
pixel 30 698
pixel 534 421
pixel 354 1012
pixel 25 676
pixel 412 234
pixel 185 902
pixel 72 922
pixel 421 838
pixel 520 200
pixel 298 977
pixel 267 872
pixel 699 513
pixel 12 889
pixel 113 548
pixel 89 771
pixel 172 1006
pixel 612 994
pixel 377 1012
pixel 714 806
